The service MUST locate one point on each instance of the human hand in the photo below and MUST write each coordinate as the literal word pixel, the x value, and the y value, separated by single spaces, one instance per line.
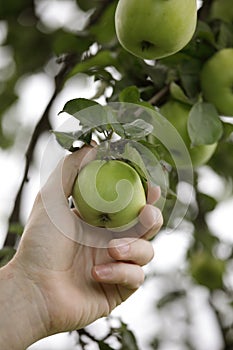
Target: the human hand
pixel 71 283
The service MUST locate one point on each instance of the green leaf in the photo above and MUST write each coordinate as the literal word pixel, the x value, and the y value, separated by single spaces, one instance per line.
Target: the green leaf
pixel 228 132
pixel 67 42
pixel 128 339
pixel 104 30
pixel 17 228
pixel 87 5
pixel 204 124
pixel 174 60
pixel 6 141
pixel 170 297
pixel 206 239
pixel 89 113
pixel 202 44
pixel 101 74
pixel 178 94
pixel 12 8
pixel 138 129
pixel 130 94
pixel 207 270
pixel 152 147
pixel 74 106
pixel 206 203
pixel 104 346
pixel 118 129
pixel 66 139
pixel 203 31
pixel 189 74
pixel 6 254
pixel 157 73
pixel 102 59
pixel 225 36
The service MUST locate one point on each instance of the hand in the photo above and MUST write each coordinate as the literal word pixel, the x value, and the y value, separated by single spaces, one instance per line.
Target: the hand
pixel 73 284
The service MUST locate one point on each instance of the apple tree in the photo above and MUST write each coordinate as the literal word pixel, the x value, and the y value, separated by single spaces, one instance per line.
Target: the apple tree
pixel 192 89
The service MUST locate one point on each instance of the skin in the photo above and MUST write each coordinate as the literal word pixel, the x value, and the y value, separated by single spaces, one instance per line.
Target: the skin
pixel 54 284
pixel 153 29
pixel 217 81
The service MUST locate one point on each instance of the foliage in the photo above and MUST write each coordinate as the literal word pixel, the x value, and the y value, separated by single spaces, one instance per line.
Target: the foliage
pixel 118 334
pixel 32 45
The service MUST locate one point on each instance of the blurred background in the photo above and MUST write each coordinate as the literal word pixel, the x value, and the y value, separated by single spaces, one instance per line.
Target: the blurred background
pixel 52 51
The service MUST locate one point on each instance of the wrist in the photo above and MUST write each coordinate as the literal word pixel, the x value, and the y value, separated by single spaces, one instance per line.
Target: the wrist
pixel 21 310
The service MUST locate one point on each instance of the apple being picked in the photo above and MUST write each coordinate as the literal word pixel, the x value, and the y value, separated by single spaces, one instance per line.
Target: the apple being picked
pixel 109 193
pixel 217 81
pixel 153 29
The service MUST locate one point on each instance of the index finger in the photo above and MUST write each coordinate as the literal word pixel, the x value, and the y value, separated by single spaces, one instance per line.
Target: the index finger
pixel 72 164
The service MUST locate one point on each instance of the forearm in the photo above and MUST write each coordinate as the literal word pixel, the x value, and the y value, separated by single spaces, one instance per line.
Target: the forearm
pixel 21 320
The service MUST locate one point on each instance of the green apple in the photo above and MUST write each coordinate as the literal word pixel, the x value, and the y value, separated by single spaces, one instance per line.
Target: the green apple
pixel 109 193
pixel 217 81
pixel 222 9
pixel 207 270
pixel 177 113
pixel 153 29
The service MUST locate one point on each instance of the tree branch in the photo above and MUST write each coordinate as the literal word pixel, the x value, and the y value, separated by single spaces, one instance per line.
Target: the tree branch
pixel 228 343
pixel 40 128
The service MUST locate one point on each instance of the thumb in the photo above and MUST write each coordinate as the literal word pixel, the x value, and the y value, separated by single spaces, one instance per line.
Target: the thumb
pixel 72 164
pixel 59 185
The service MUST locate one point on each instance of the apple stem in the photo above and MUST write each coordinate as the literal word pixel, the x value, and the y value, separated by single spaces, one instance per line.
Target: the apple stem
pixel 105 217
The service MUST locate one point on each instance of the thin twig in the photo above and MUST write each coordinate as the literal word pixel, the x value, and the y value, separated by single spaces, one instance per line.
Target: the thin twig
pixel 159 95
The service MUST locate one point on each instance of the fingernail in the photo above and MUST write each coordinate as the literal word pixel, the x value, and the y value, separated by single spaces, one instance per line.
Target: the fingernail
pixel 103 271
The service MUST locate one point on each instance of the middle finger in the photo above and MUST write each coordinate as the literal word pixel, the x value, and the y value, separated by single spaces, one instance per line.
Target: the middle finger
pixel 138 251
